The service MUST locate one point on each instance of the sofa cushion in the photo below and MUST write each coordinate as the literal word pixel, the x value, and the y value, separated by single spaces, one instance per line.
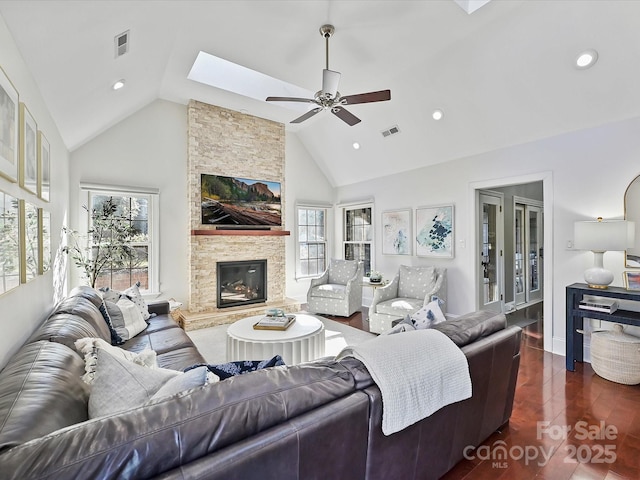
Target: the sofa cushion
pixel 415 282
pixel 126 318
pixel 161 341
pixel 400 307
pixel 135 384
pixel 40 392
pixel 329 290
pixel 341 271
pixel 64 328
pixel 472 326
pixel 88 311
pixel 87 292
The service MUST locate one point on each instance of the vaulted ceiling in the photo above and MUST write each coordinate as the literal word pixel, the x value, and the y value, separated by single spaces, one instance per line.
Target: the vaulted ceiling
pixel 503 75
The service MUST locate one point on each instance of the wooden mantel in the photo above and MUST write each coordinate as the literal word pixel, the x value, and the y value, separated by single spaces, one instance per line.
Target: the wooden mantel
pixel 241 231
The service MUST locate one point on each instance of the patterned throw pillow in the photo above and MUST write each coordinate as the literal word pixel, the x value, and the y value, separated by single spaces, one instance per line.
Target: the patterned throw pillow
pixel 428 316
pixel 126 318
pixel 115 338
pixel 132 293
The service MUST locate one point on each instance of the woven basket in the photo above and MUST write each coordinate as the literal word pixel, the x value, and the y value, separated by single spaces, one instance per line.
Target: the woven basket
pixel 615 355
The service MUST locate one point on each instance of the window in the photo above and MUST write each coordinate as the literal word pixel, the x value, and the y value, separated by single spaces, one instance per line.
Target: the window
pixel 135 211
pixel 312 241
pixel 358 235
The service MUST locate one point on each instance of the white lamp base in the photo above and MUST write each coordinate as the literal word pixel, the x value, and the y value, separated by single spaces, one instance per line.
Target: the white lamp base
pixel 597 276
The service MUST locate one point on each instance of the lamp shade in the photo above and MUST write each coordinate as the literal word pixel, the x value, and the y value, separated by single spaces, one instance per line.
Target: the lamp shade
pixel 601 236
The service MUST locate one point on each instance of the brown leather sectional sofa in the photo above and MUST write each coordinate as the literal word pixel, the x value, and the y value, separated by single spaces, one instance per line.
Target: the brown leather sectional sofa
pixel 316 420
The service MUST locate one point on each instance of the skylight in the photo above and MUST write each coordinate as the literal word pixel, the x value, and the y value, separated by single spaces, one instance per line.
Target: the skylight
pixel 220 73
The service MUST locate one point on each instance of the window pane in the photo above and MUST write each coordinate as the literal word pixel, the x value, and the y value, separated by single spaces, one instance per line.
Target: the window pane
pixel 304 251
pixel 127 222
pixel 302 216
pixel 313 251
pixel 303 234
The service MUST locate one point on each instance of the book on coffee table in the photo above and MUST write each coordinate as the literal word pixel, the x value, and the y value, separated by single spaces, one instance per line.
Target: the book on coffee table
pixel 274 322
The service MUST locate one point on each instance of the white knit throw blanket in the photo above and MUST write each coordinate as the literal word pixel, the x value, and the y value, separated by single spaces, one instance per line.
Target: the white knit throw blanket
pixel 418 372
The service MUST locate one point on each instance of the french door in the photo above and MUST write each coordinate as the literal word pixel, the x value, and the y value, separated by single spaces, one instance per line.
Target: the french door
pixel 491 238
pixel 528 251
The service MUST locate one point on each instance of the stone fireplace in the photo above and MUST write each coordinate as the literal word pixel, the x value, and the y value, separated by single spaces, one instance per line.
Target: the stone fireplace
pixel 241 283
pixel 230 143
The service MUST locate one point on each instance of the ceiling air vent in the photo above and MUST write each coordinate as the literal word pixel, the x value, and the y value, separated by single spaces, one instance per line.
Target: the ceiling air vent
pixel 122 43
pixel 390 131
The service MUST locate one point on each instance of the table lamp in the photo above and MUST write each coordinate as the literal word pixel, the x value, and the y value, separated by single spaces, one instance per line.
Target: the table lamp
pixel 601 236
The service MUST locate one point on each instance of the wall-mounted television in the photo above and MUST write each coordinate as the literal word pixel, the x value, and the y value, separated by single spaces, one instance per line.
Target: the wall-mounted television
pixel 240 202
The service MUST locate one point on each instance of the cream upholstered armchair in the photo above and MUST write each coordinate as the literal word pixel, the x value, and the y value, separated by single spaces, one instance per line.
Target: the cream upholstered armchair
pixel 410 290
pixel 339 290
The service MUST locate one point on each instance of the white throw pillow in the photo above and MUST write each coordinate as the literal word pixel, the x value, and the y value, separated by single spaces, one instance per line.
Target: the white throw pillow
pixel 126 318
pixel 89 348
pixel 428 316
pixel 132 293
pixel 121 385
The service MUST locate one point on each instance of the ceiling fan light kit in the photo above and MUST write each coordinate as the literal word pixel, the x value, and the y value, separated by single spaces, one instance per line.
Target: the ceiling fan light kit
pixel 329 98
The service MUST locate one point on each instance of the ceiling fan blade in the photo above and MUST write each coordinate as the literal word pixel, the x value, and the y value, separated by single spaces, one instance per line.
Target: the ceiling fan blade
pixel 380 96
pixel 307 115
pixel 289 99
pixel 345 115
pixel 330 81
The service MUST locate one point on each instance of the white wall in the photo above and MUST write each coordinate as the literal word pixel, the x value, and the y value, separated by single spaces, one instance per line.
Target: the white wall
pixel 147 149
pixel 589 172
pixel 23 308
pixel 305 183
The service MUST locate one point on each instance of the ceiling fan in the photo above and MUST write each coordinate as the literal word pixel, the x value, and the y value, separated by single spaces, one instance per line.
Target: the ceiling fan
pixel 329 98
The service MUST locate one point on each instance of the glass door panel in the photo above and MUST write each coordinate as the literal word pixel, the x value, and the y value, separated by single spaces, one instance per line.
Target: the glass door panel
pixel 491 246
pixel 519 248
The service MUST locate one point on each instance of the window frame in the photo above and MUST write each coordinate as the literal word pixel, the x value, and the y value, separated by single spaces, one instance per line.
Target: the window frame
pixel 344 208
pixel 88 191
pixel 311 206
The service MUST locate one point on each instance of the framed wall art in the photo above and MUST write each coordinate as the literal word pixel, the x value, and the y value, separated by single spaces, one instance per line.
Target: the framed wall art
pixel 28 150
pixel 434 231
pixel 8 128
pixel 44 167
pixel 9 243
pixel 396 232
pixel 632 280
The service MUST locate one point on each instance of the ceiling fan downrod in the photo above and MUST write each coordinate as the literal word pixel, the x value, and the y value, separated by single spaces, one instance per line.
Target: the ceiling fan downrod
pixel 326 31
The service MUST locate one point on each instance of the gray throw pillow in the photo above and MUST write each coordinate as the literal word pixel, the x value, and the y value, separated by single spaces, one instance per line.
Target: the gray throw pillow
pixel 126 318
pixel 120 384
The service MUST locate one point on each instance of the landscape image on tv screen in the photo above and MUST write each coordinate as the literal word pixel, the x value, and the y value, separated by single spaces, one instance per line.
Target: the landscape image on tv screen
pixel 239 201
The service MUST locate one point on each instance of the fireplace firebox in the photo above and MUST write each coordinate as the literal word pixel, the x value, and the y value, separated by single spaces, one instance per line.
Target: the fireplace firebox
pixel 241 283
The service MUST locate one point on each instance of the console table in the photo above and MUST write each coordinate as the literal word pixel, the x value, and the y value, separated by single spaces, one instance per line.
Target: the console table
pixel 576 316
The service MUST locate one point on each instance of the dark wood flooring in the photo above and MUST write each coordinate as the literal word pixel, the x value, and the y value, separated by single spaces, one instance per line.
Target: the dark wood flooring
pixel 603 417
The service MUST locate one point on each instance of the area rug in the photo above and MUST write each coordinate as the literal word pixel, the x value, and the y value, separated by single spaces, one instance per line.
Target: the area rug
pixel 212 342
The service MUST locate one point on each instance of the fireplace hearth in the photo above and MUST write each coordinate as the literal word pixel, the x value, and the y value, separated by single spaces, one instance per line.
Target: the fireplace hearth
pixel 241 283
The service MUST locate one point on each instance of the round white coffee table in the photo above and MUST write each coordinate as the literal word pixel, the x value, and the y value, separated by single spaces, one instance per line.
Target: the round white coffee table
pixel 301 342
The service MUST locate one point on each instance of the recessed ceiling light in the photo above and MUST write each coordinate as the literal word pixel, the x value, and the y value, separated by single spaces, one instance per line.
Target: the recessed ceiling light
pixel 586 59
pixel 356 145
pixel 118 85
pixel 437 114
